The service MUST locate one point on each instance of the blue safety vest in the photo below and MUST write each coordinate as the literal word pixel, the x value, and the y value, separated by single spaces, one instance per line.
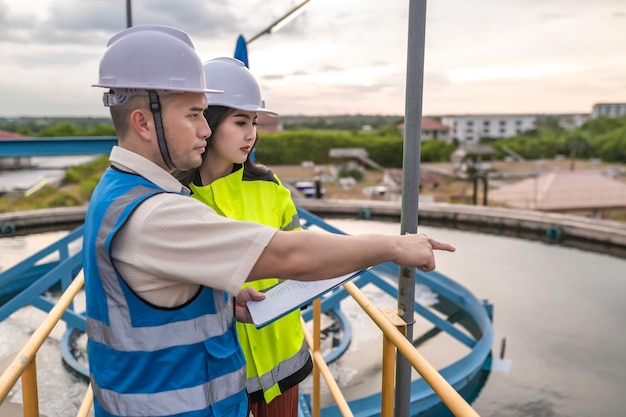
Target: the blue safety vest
pixel 146 360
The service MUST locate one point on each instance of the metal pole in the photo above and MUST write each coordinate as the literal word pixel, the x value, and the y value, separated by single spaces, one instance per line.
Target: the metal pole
pixel 475 189
pixel 410 187
pixel 317 325
pixel 129 14
pixel 30 396
pixel 485 188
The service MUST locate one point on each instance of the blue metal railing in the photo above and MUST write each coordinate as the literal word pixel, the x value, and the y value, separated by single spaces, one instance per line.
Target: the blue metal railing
pixel 57 146
pixel 462 374
pixel 27 282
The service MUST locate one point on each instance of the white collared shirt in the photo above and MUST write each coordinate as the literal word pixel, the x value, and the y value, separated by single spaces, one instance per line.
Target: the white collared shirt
pixel 171 244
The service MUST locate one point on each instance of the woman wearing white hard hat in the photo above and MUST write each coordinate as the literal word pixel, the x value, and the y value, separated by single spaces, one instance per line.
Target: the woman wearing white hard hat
pixel 277 356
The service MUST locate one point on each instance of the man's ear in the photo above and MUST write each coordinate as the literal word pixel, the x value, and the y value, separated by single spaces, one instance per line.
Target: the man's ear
pixel 141 121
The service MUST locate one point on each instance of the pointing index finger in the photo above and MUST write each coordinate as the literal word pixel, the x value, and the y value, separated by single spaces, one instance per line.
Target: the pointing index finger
pixel 436 245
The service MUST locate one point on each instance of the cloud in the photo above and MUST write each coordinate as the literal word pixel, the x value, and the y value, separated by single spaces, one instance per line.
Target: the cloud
pixel 92 22
pixel 349 54
pixel 553 16
pixel 15 26
pixel 507 73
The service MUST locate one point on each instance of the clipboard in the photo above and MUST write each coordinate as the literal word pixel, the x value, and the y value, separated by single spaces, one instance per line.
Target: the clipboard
pixel 290 295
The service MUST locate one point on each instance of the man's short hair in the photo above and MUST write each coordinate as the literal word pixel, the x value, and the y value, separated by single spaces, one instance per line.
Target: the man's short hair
pixel 121 114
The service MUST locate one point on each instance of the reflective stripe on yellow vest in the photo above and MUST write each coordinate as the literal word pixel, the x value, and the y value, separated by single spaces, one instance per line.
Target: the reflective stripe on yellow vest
pixel 278 350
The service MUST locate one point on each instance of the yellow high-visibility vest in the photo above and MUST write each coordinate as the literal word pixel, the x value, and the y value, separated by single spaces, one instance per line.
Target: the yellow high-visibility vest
pixel 277 356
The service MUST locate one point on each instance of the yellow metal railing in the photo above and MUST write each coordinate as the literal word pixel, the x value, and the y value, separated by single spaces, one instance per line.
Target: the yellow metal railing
pixel 25 364
pixel 390 323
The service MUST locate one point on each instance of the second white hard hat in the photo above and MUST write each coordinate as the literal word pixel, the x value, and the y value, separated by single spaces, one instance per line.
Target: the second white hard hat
pixel 241 90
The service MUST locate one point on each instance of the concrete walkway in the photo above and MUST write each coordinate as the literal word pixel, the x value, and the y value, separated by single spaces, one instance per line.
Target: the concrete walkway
pixel 601 236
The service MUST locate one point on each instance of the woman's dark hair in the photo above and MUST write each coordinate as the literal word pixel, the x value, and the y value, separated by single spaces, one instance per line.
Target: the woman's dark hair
pixel 215 115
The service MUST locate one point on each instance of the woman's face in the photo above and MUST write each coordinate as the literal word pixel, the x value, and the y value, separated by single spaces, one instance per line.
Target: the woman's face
pixel 234 138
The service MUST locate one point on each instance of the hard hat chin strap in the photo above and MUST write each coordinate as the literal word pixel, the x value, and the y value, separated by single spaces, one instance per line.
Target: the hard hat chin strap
pixel 155 107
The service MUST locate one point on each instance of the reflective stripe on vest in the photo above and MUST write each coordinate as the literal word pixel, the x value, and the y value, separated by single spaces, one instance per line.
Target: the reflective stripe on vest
pixel 262 199
pixel 170 402
pixel 146 360
pixel 282 371
pixel 294 224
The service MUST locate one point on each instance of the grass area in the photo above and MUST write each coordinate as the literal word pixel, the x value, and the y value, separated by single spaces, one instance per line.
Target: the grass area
pixel 76 189
pixel 46 197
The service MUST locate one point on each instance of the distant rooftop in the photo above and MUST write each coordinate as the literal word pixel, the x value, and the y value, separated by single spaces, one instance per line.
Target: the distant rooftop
pixel 11 135
pixel 563 191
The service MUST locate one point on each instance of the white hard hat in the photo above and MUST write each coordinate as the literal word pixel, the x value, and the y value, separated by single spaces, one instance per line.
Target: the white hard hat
pixel 150 57
pixel 241 90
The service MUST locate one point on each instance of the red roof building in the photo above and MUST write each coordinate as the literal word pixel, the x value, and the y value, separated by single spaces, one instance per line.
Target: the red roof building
pixel 431 129
pixel 563 191
pixel 11 135
pixel 17 162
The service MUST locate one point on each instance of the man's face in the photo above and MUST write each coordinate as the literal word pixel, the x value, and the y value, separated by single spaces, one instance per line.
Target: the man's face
pixel 186 129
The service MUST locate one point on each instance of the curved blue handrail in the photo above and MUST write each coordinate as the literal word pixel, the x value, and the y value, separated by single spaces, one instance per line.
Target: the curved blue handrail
pixel 464 374
pixel 27 281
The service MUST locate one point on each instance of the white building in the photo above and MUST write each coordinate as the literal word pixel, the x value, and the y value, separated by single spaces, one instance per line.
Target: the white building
pixel 470 128
pixel 573 121
pixel 608 110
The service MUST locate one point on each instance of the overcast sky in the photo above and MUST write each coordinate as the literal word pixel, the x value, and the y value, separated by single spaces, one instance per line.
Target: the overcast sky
pixel 339 56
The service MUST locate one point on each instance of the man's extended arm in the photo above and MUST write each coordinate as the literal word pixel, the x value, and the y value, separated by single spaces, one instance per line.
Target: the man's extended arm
pixel 310 255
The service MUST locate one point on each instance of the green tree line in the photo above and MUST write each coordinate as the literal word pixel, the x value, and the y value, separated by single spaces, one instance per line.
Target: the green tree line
pixel 385 148
pixel 57 126
pixel 603 138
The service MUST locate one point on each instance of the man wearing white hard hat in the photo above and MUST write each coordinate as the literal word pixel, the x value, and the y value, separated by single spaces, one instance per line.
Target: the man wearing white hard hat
pixel 161 268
